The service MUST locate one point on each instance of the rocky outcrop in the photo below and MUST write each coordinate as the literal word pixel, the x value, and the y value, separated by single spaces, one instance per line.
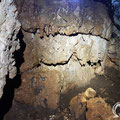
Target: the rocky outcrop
pixel 9 28
pixel 85 106
pixel 66 45
pixel 64 17
pixel 78 104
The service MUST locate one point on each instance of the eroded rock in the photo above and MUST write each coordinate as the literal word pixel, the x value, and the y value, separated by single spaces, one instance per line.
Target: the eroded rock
pixel 78 104
pixel 67 40
pixel 92 108
pixel 65 17
pixel 98 109
pixel 114 45
pixel 9 27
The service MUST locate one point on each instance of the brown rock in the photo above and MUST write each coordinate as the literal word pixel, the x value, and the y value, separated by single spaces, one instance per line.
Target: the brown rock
pixel 98 109
pixel 65 45
pixel 78 106
pixel 30 56
pixel 90 93
pixel 38 89
pixel 69 17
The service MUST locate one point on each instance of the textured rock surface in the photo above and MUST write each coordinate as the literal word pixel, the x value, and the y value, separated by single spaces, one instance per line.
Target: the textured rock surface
pixel 90 108
pixel 114 43
pixel 64 17
pixel 98 109
pixel 78 104
pixel 65 47
pixel 38 89
pixel 9 28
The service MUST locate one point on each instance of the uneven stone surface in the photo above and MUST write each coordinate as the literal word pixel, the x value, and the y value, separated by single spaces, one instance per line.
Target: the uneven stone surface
pixel 106 86
pixel 78 104
pixel 66 42
pixel 98 109
pixel 9 27
pixel 90 108
pixel 30 54
pixel 64 17
pixel 40 89
pixel 59 49
pixel 114 43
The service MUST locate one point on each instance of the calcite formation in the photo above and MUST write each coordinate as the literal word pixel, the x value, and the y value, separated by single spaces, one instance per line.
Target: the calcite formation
pixel 9 27
pixel 67 45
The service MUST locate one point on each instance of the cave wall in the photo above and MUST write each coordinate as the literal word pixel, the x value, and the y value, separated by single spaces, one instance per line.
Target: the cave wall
pixel 9 27
pixel 113 51
pixel 66 46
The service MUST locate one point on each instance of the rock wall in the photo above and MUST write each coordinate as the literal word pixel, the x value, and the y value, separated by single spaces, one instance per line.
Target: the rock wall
pixel 87 106
pixel 9 28
pixel 66 45
pixel 114 43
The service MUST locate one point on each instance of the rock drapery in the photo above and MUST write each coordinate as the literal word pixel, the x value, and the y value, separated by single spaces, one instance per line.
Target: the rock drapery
pixel 66 45
pixel 9 27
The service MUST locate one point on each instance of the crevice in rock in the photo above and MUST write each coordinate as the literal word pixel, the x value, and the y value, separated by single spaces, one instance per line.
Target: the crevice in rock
pixel 99 63
pixel 82 65
pixel 94 63
pixel 57 64
pixel 112 61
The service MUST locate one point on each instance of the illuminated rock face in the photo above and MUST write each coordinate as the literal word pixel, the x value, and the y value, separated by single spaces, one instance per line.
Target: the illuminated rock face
pixel 65 47
pixel 9 27
pixel 77 58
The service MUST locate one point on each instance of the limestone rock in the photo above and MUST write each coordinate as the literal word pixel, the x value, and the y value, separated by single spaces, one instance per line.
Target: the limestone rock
pixel 40 89
pixel 78 106
pixel 65 17
pixel 90 108
pixel 65 38
pixel 114 48
pixel 90 93
pixel 77 58
pixel 9 27
pixel 98 109
pixel 30 54
pixel 59 49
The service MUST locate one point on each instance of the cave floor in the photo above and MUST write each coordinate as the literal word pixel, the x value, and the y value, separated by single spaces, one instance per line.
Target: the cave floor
pixel 107 86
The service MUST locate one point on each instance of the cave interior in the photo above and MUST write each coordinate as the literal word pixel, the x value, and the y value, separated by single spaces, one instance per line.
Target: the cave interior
pixel 65 60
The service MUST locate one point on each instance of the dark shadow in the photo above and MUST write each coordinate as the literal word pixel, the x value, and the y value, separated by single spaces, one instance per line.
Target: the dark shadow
pixel 110 7
pixel 11 84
